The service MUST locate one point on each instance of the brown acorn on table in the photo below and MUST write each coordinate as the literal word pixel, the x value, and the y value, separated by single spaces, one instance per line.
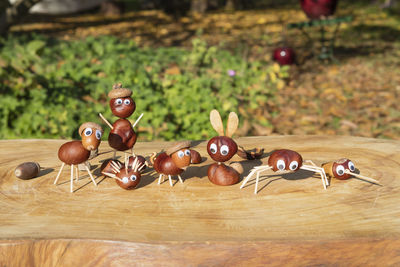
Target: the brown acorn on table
pixel 122 136
pixel 221 149
pixel 77 152
pixel 173 161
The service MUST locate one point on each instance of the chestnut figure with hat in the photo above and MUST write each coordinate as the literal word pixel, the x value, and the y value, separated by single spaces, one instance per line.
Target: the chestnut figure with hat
pixel 122 135
pixel 173 161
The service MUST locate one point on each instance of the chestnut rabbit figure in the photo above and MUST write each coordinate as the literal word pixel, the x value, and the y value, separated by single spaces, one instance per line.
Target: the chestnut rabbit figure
pixel 77 152
pixel 222 148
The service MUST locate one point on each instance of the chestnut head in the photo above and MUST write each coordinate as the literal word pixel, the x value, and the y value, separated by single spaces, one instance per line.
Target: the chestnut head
pixel 121 103
pixel 222 148
pixel 285 159
pixel 180 154
pixel 341 167
pixel 91 135
pixel 128 180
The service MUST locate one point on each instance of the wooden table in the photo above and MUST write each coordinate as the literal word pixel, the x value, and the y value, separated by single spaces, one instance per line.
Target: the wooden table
pixel 291 221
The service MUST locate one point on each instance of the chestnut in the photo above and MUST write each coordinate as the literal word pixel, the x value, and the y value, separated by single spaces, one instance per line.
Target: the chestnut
pixel 195 157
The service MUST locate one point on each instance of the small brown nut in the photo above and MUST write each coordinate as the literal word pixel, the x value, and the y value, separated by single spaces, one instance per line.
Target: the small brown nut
pixel 27 170
pixel 195 157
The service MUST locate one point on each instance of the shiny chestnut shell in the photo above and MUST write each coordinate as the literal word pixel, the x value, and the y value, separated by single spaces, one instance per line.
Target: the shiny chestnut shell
pixel 141 160
pixel 220 174
pixel 73 152
pixel 129 185
pixel 122 137
pixel 220 141
pixel 345 164
pixel 165 165
pixel 27 170
pixel 122 110
pixel 287 156
pixel 195 157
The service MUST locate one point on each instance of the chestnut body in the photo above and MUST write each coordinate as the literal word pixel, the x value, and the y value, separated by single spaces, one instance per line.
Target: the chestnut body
pixel 27 170
pixel 286 156
pixel 164 164
pixel 122 137
pixel 315 9
pixel 73 152
pixel 337 169
pixel 220 174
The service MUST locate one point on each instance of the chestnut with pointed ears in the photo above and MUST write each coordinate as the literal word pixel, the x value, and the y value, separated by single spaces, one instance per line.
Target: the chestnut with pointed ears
pixel 173 161
pixel 77 152
pixel 127 176
pixel 344 169
pixel 285 160
pixel 221 149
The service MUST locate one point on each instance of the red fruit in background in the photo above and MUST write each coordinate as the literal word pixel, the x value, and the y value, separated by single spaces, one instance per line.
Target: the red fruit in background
pixel 284 55
pixel 315 9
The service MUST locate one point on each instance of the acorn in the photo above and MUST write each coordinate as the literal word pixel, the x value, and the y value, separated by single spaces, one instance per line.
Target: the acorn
pixel 27 170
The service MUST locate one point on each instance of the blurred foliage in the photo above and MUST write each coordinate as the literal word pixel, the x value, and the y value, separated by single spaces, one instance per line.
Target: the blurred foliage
pixel 49 87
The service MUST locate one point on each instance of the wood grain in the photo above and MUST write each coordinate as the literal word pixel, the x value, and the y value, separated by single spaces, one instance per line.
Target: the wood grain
pixel 291 221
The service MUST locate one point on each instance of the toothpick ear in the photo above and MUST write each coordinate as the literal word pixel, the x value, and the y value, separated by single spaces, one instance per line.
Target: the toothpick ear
pixel 216 122
pixel 232 125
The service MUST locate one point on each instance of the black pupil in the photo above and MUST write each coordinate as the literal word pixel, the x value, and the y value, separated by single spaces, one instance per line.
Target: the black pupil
pixel 280 167
pixel 340 172
pixel 224 152
pixel 87 132
pixel 212 150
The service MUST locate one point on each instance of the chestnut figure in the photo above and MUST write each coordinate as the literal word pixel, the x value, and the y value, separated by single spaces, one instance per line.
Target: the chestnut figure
pixel 77 152
pixel 173 161
pixel 343 169
pixel 222 148
pixel 317 9
pixel 122 137
pixel 285 160
pixel 128 176
pixel 27 170
pixel 141 160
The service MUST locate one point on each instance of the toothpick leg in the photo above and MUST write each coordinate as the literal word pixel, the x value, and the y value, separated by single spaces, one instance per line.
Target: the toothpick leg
pixel 315 165
pixel 58 175
pixel 313 169
pixel 247 178
pixel 159 179
pixel 133 153
pixel 180 179
pixel 258 177
pixel 106 121
pixel 72 178
pixel 170 180
pixel 137 121
pixel 77 173
pixel 115 154
pixel 90 174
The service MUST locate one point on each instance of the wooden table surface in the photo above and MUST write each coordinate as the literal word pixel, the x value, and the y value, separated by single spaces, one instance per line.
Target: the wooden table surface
pixel 291 221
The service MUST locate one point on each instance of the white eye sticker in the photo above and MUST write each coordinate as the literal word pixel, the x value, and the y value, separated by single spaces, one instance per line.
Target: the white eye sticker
pixel 118 101
pixel 181 153
pixel 125 180
pixel 280 165
pixel 88 131
pixel 187 152
pixel 351 166
pixel 133 177
pixel 127 101
pixel 340 170
pixel 98 134
pixel 224 150
pixel 293 165
pixel 213 148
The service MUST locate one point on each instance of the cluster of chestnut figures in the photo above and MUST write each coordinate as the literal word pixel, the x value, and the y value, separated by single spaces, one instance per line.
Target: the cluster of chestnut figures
pixel 174 160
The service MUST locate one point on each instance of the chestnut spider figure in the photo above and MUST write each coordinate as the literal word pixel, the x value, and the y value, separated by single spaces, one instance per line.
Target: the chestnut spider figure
pixel 285 160
pixel 343 169
pixel 127 177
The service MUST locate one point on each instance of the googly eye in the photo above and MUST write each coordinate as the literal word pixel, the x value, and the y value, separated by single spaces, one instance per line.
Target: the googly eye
pixel 181 154
pixel 213 148
pixel 125 180
pixel 224 150
pixel 187 152
pixel 351 166
pixel 118 101
pixel 340 170
pixel 281 165
pixel 88 131
pixel 127 101
pixel 98 134
pixel 293 165
pixel 133 177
